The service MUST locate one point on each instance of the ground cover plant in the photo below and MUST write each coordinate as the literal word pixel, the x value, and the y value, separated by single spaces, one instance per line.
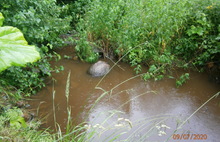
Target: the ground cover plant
pixel 13 127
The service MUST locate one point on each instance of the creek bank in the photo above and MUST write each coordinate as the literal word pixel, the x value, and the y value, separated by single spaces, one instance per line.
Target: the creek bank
pixel 15 113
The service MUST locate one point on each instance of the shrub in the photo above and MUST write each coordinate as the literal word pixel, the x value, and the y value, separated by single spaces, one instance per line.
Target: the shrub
pixel 200 41
pixel 75 8
pixel 31 78
pixel 41 23
pixel 145 31
pixel 147 26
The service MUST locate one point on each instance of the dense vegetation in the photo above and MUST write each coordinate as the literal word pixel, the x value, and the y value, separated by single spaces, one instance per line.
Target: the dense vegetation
pixel 159 34
pixel 156 34
pixel 42 25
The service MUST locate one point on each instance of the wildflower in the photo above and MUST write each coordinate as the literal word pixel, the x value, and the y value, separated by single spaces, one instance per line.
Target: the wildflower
pixel 120 119
pixel 165 126
pixel 118 125
pixel 127 120
pixel 158 127
pixel 161 133
pixel 96 125
pixel 87 126
pixel 209 7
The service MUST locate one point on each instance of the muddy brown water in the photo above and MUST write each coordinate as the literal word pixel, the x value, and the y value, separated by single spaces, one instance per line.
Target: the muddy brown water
pixel 136 110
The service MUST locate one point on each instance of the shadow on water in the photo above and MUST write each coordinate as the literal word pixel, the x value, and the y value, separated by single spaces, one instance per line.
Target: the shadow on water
pixel 141 109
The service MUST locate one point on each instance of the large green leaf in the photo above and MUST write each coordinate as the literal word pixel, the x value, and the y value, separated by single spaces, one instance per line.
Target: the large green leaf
pixel 14 49
pixel 1 19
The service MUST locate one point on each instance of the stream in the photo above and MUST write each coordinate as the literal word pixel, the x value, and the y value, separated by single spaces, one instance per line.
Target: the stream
pixel 136 110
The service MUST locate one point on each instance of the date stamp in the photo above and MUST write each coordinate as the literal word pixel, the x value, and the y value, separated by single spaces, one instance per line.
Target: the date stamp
pixel 190 136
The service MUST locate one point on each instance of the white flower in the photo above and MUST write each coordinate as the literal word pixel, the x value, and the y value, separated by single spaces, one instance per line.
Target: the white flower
pixel 87 126
pixel 96 125
pixel 165 126
pixel 161 133
pixel 118 125
pixel 120 119
pixel 128 120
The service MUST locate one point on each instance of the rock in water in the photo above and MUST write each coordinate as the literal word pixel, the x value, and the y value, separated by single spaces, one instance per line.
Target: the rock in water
pixel 98 69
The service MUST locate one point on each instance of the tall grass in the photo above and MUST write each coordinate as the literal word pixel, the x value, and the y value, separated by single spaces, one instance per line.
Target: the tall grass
pixel 188 118
pixel 151 125
pixel 14 128
pixel 86 131
pixel 67 93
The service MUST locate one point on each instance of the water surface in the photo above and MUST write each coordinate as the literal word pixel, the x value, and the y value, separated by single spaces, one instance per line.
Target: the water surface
pixel 136 107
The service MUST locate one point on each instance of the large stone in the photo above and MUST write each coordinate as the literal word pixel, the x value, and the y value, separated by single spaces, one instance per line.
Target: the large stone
pixel 99 69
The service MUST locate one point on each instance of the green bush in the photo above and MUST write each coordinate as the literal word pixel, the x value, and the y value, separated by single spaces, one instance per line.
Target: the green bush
pixel 147 31
pixel 144 28
pixel 75 8
pixel 200 41
pixel 42 23
pixel 39 20
pixel 28 80
pixel 31 78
